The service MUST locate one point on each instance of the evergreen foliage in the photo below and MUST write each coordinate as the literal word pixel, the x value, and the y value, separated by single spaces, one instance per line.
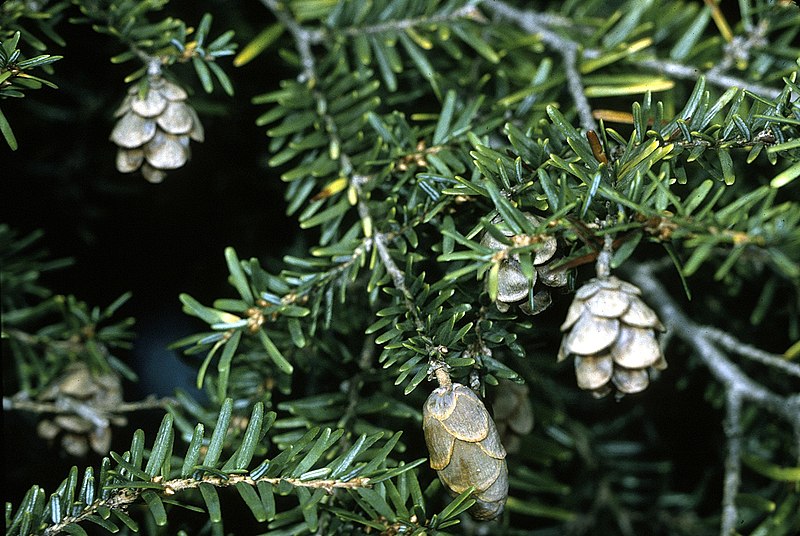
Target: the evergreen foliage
pixel 656 140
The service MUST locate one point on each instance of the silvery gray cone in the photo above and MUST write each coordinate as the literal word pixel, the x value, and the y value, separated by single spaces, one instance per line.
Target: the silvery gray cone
pixel 465 448
pixel 513 286
pixel 513 413
pixel 100 394
pixel 611 333
pixel 153 131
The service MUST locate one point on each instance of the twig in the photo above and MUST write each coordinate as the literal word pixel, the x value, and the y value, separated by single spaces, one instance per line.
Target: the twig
pixel 303 39
pixel 22 403
pixel 734 345
pixel 320 36
pixel 576 89
pixel 538 23
pixel 127 496
pixel 679 70
pixel 535 23
pixel 733 461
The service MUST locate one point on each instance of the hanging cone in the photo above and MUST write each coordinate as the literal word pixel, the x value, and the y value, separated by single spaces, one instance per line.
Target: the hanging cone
pixel 513 287
pixel 465 448
pixel 154 130
pixel 611 334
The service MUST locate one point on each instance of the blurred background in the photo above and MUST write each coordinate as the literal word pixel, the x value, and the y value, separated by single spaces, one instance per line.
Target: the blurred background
pixel 125 234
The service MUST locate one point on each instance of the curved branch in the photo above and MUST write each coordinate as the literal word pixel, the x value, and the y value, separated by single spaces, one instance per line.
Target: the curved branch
pixel 705 345
pixel 734 345
pixel 712 76
pixel 739 386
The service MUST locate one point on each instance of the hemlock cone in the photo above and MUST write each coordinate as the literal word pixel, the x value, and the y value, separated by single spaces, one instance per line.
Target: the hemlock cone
pixel 513 413
pixel 153 131
pixel 611 333
pixel 80 387
pixel 513 286
pixel 465 448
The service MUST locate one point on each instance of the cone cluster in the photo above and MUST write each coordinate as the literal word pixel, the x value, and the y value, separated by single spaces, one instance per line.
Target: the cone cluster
pixel 154 130
pixel 465 448
pixel 611 333
pixel 513 287
pixel 79 388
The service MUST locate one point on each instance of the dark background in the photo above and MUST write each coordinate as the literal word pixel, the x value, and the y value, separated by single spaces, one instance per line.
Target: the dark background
pixel 156 240
pixel 125 234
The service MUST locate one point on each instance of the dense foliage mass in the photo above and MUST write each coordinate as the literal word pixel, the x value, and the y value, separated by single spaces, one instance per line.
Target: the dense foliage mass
pixel 576 224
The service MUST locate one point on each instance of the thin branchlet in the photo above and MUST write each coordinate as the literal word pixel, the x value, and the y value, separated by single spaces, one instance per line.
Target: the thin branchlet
pixel 399 25
pixel 21 402
pixel 735 346
pixel 706 347
pixel 538 23
pixel 733 460
pixel 123 497
pixel 303 39
pixel 534 23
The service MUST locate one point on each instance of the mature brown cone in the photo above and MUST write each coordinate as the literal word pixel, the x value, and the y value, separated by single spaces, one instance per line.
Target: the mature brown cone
pixel 153 131
pixel 465 448
pixel 610 332
pixel 513 286
pixel 93 397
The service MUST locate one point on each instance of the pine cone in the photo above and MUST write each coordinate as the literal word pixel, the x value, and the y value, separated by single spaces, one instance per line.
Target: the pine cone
pixel 513 413
pixel 611 333
pixel 153 132
pixel 465 448
pixel 513 285
pixel 98 394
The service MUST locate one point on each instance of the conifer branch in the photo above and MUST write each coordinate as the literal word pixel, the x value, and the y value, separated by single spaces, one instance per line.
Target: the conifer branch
pixel 123 497
pixel 739 386
pixel 734 345
pixel 391 185
pixel 303 40
pixel 397 275
pixel 689 72
pixel 20 402
pixel 536 23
